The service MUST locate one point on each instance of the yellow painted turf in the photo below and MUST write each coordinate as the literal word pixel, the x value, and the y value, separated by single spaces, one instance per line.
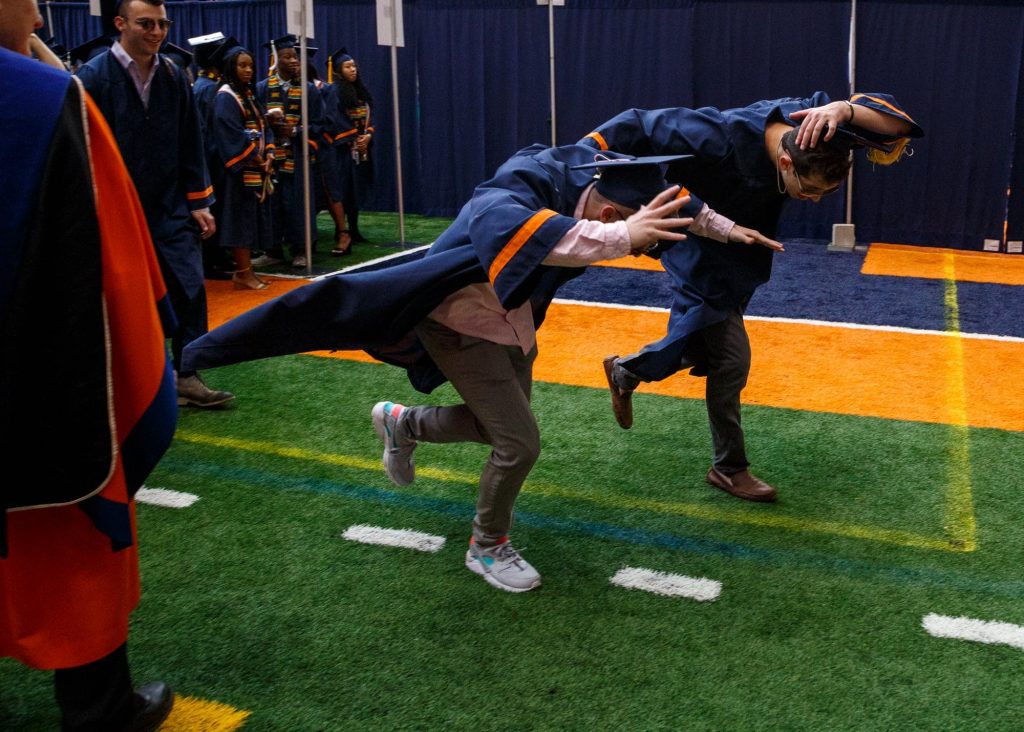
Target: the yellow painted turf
pixel 199 715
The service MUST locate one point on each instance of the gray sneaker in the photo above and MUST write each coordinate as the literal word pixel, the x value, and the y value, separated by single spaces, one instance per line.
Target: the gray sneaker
pixel 193 391
pixel 398 448
pixel 265 260
pixel 502 566
pixel 299 262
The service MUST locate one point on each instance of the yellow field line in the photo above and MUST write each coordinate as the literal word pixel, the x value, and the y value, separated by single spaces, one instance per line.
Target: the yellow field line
pixel 190 714
pixel 958 519
pixel 678 508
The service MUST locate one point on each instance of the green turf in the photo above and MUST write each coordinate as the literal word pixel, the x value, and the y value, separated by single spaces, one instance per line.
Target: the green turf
pixel 251 598
pixel 383 235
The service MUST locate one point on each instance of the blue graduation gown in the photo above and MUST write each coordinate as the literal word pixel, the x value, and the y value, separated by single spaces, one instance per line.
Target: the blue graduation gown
pixel 288 195
pixel 244 221
pixel 733 173
pixel 501 236
pixel 163 150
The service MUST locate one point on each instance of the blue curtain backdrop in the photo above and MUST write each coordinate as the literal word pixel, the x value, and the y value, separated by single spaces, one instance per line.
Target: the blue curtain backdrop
pixel 474 87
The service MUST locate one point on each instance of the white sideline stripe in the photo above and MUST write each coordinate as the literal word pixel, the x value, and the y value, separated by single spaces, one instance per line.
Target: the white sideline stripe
pixel 981 631
pixel 165 498
pixel 361 265
pixel 404 538
pixel 670 585
pixel 801 321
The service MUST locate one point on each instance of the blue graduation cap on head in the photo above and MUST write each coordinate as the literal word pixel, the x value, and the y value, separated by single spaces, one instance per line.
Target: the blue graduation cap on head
pixel 225 50
pixel 290 40
pixel 630 181
pixel 177 54
pixel 335 60
pixel 882 149
pixel 204 46
pixel 90 49
pixel 57 47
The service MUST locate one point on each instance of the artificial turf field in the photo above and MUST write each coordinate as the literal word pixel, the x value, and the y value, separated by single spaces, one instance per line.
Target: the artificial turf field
pixel 252 599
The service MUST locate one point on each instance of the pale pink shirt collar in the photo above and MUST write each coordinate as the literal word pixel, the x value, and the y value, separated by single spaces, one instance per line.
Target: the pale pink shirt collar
pixel 142 85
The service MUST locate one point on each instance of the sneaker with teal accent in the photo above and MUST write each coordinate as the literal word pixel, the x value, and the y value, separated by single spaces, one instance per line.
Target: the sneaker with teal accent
pixel 398 448
pixel 502 566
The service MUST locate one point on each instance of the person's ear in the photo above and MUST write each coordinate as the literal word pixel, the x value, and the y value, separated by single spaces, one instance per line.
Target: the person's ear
pixel 785 161
pixel 608 214
pixel 120 23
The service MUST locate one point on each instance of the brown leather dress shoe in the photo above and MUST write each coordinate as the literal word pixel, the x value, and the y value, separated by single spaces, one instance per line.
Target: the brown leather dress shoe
pixel 622 399
pixel 743 484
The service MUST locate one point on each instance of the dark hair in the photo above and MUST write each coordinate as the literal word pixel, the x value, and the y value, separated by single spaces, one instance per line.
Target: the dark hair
pixel 229 76
pixel 352 93
pixel 827 161
pixel 119 5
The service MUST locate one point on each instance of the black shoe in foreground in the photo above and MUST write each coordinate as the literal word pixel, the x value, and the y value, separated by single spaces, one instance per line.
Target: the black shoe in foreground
pixel 153 704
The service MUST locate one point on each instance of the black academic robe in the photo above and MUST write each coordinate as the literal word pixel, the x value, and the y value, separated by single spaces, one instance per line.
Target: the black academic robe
pixel 162 147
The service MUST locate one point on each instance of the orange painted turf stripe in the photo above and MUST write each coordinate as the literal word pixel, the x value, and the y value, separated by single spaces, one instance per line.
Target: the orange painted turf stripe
pixel 516 242
pixel 796 366
pixel 898 260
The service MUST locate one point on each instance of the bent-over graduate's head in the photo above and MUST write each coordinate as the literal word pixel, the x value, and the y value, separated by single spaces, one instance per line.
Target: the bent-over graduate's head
pixel 813 172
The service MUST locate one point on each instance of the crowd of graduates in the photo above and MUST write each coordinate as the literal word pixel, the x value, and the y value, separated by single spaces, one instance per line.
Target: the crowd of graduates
pixel 252 132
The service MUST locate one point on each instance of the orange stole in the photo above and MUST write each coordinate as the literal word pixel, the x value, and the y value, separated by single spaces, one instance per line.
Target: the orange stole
pixel 65 595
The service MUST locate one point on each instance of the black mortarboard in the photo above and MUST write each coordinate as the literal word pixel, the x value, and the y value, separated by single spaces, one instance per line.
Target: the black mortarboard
pixel 630 181
pixel 225 50
pixel 57 47
pixel 177 54
pixel 90 49
pixel 203 48
pixel 290 40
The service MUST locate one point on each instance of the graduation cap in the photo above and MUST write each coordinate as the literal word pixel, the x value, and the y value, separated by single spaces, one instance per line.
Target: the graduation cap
pixel 90 49
pixel 225 50
pixel 630 181
pixel 204 46
pixel 882 149
pixel 57 47
pixel 336 59
pixel 177 54
pixel 290 40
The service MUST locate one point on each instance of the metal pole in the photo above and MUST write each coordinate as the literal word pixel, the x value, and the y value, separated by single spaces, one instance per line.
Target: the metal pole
pixel 853 87
pixel 304 80
pixel 551 66
pixel 49 21
pixel 398 129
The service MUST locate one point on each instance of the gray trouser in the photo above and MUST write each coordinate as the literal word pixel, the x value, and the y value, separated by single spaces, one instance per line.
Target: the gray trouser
pixel 723 350
pixel 494 382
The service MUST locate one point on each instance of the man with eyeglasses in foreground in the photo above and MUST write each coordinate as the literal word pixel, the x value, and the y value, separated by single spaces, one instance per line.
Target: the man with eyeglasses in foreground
pixel 746 164
pixel 147 101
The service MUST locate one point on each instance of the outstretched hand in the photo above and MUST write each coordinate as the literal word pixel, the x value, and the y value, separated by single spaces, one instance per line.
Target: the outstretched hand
pixel 654 221
pixel 817 120
pixel 743 235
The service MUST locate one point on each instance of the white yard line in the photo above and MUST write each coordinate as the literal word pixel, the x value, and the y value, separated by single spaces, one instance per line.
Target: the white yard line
pixel 800 321
pixel 403 538
pixel 670 585
pixel 165 498
pixel 980 631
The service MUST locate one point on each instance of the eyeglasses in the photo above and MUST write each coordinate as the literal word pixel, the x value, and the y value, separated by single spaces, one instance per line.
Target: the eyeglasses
pixel 148 24
pixel 813 192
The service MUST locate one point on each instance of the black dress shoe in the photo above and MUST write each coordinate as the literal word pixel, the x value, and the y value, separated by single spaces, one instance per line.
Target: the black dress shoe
pixel 153 703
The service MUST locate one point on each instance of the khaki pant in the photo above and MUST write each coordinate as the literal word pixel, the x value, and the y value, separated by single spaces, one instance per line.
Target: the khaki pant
pixel 494 382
